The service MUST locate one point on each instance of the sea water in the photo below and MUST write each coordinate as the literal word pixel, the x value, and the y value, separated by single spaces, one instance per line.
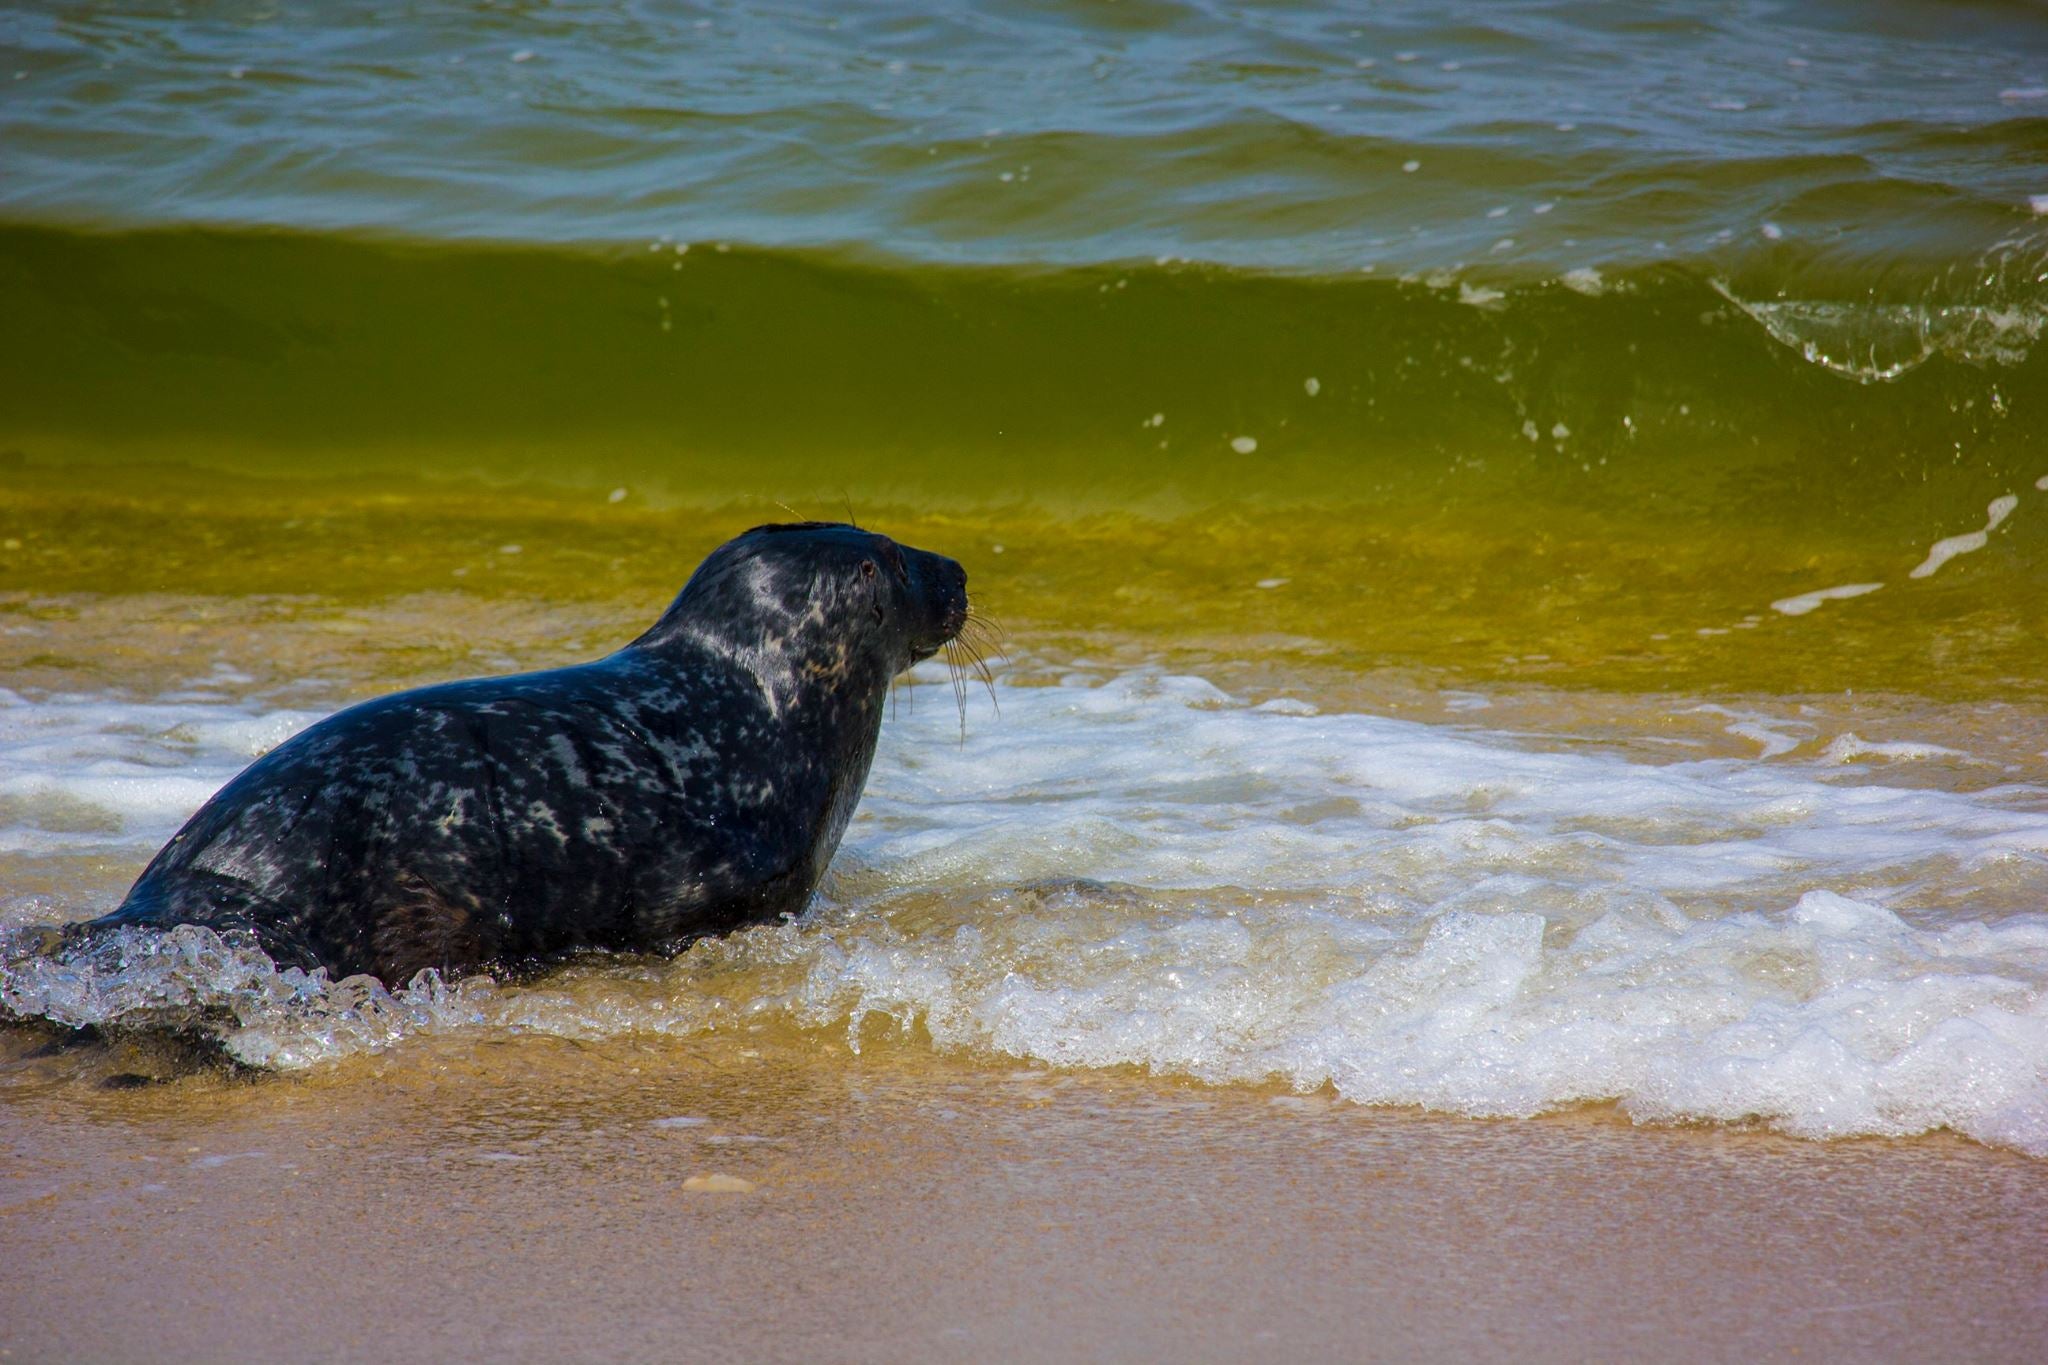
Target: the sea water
pixel 1520 529
pixel 1139 869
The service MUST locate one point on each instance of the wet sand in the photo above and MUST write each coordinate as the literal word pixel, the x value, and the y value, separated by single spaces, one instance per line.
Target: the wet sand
pixel 531 1199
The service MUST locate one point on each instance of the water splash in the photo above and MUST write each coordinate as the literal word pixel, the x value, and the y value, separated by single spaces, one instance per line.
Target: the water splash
pixel 1875 343
pixel 194 981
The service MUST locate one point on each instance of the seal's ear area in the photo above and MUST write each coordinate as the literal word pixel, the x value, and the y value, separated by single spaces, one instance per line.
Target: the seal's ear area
pixel 778 546
pixel 776 527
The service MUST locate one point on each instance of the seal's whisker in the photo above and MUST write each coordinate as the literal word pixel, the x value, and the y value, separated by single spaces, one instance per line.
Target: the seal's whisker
pixel 986 625
pixel 903 686
pixel 978 639
pixel 976 664
pixel 952 652
pixel 979 633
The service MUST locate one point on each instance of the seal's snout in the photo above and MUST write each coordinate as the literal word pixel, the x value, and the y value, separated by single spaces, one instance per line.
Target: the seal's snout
pixel 943 585
pixel 953 598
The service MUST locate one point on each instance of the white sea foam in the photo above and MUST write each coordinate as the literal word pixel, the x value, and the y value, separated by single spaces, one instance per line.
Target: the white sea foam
pixel 1942 551
pixel 1808 601
pixel 1848 747
pixel 1584 280
pixel 1145 871
pixel 86 772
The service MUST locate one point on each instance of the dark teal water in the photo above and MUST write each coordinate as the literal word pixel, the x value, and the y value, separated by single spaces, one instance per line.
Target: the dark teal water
pixel 1853 147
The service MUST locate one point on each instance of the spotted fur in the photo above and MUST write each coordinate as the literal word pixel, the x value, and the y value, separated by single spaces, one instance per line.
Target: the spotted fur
pixel 696 780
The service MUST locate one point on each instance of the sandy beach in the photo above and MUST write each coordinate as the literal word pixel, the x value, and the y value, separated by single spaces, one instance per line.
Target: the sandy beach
pixel 531 1200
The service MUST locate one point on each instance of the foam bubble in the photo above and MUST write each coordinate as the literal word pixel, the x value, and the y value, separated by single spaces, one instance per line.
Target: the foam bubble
pixel 1416 915
pixel 1942 551
pixel 1849 747
pixel 1808 601
pixel 1766 732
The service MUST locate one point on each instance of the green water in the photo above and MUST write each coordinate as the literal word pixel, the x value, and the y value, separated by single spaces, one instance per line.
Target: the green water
pixel 1447 479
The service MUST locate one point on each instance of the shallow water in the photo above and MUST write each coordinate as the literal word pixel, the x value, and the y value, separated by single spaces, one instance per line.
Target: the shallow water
pixel 1834 934
pixel 1520 530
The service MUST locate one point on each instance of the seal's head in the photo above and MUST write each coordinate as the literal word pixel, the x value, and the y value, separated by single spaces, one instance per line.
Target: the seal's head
pixel 820 596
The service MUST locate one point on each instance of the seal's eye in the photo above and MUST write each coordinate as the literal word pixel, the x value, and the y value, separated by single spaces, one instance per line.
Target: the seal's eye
pixel 867 568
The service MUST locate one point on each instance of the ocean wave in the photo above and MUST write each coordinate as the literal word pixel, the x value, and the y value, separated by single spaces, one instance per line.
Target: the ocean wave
pixel 1319 139
pixel 1138 870
pixel 712 370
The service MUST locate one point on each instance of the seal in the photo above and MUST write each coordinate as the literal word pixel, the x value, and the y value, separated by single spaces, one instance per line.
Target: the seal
pixel 696 780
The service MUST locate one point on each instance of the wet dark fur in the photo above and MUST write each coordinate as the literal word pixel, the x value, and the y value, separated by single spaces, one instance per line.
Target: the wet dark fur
pixel 697 780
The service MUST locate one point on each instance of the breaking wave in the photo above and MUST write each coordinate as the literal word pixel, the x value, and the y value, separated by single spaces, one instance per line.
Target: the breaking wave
pixel 1136 869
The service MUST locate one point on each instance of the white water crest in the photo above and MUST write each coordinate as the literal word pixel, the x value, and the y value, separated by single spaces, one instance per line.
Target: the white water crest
pixel 1138 869
pixel 1986 311
pixel 89 774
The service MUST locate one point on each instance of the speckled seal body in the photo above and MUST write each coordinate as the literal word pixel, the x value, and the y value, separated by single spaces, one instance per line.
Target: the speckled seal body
pixel 696 780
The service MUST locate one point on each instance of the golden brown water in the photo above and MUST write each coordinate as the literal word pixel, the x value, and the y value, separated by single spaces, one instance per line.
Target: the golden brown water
pixel 124 575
